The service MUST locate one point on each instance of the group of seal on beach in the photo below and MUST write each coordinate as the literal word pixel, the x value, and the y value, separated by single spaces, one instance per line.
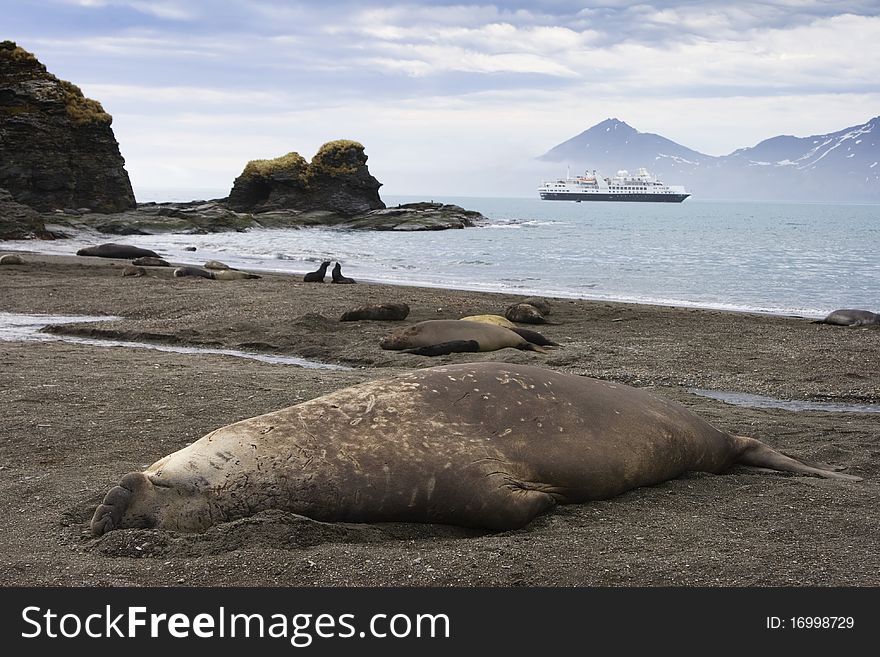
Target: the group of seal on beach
pixel 318 275
pixel 488 445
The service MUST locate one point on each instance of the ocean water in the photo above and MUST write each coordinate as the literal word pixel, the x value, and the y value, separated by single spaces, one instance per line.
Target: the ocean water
pixel 778 258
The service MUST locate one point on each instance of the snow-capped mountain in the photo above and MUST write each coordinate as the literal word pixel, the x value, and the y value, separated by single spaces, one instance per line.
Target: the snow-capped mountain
pixel 839 166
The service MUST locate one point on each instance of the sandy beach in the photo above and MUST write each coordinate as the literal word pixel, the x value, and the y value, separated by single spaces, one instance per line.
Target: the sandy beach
pixel 77 417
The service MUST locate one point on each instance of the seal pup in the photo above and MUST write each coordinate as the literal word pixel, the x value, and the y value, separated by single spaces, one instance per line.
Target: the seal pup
pixel 851 317
pixel 338 277
pixel 437 337
pixel 182 272
pixel 488 445
pixel 111 250
pixel 149 261
pixel 11 259
pixel 317 276
pixel 133 270
pixel 394 311
pixel 524 313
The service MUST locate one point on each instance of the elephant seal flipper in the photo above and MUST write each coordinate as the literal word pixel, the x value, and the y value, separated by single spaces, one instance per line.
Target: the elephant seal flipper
pixel 754 453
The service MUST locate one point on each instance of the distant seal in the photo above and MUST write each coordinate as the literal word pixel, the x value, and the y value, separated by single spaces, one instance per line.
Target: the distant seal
pixel 337 276
pixel 123 251
pixel 189 248
pixel 524 313
pixel 216 264
pixel 437 337
pixel 134 270
pixel 317 276
pixel 540 303
pixel 150 262
pixel 851 317
pixel 11 259
pixel 182 272
pixel 232 275
pixel 487 445
pixel 394 311
pixel 498 320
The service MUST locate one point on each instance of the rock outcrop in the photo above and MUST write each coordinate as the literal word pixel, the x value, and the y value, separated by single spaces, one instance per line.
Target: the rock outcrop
pixel 337 181
pixel 215 217
pixel 57 150
pixel 19 222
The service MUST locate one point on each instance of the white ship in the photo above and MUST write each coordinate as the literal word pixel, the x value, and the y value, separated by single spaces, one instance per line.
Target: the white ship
pixel 622 187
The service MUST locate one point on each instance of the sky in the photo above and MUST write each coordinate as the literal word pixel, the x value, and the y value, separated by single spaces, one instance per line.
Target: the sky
pixel 449 99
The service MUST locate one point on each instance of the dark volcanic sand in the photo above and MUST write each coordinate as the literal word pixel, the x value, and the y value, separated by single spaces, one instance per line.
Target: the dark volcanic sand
pixel 76 418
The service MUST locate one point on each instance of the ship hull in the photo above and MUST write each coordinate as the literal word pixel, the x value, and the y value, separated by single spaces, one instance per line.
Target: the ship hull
pixel 598 196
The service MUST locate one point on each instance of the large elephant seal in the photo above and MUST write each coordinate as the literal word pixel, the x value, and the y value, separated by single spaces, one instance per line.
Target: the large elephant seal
pixel 393 311
pixel 478 444
pixel 437 337
pixel 851 317
pixel 123 251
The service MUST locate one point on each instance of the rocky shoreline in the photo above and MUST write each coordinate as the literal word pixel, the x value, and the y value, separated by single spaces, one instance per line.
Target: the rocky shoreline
pixel 201 217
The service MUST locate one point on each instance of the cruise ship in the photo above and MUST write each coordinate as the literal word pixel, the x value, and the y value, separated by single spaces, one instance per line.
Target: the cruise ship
pixel 622 187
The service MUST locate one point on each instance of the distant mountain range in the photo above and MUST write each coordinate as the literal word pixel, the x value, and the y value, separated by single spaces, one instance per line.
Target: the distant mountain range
pixel 842 166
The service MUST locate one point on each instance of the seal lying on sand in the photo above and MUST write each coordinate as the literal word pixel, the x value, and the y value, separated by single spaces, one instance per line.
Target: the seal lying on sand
pixel 497 320
pixel 11 259
pixel 182 272
pixel 524 313
pixel 540 303
pixel 850 317
pixel 394 311
pixel 110 250
pixel 478 444
pixel 232 275
pixel 437 337
pixel 149 261
pixel 531 336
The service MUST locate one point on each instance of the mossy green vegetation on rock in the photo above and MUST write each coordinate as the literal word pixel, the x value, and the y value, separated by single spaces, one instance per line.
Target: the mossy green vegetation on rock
pixel 293 163
pixel 80 109
pixel 337 180
pixel 342 157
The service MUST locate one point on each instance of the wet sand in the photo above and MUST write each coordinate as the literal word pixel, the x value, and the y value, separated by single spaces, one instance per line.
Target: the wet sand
pixel 77 417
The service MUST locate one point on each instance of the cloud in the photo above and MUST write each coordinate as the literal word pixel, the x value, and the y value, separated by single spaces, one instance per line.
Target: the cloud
pixel 475 86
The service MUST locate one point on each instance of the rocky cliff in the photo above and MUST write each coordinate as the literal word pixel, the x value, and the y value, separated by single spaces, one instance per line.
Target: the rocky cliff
pixel 337 180
pixel 57 149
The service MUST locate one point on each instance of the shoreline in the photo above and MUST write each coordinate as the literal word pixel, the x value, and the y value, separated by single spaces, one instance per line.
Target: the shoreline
pixel 525 292
pixel 78 416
